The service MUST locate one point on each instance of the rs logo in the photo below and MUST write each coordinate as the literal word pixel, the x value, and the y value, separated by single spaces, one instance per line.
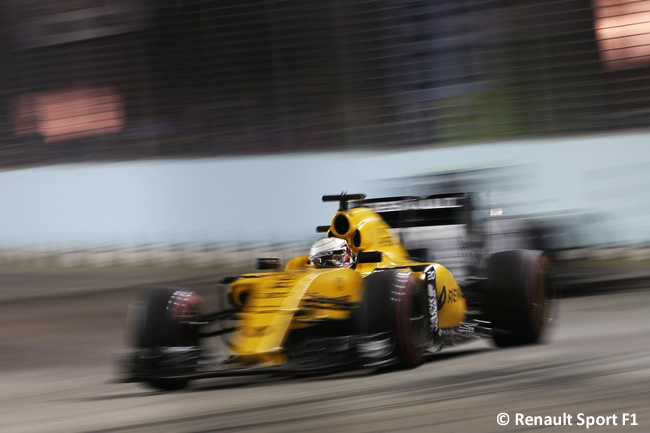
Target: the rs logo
pixel 452 295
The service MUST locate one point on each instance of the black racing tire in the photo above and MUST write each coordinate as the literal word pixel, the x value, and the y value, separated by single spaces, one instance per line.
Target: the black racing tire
pixel 396 301
pixel 521 299
pixel 153 321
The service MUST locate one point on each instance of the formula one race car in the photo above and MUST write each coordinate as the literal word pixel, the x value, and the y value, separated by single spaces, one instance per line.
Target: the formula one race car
pixel 357 300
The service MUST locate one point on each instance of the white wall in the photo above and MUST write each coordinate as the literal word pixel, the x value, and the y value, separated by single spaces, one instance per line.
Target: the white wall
pixel 274 198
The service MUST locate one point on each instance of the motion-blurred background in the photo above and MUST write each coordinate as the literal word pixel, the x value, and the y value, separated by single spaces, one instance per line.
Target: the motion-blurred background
pixel 128 79
pixel 171 142
pixel 198 132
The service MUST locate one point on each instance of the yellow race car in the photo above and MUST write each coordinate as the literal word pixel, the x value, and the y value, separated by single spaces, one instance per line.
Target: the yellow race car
pixel 358 299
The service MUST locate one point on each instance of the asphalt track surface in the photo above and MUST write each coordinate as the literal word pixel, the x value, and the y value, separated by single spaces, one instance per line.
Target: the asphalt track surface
pixel 58 352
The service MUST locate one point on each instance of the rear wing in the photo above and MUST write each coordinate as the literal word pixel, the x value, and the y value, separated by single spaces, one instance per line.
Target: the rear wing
pixel 433 210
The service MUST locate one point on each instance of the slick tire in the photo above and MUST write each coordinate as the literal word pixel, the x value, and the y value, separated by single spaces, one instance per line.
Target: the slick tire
pixel 521 300
pixel 153 321
pixel 395 301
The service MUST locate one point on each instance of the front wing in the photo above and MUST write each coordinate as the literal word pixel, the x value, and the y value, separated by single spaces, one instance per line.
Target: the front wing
pixel 310 357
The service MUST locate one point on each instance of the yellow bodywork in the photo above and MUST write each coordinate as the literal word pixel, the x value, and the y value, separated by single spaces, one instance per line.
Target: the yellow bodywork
pixel 275 302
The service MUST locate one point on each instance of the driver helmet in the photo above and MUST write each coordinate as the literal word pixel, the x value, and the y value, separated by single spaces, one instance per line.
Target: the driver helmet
pixel 331 253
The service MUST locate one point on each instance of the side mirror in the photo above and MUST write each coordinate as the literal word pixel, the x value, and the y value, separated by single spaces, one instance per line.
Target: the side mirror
pixel 269 264
pixel 369 257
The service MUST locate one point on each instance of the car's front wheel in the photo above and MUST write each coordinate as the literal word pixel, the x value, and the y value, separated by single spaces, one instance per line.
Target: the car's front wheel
pixel 396 303
pixel 157 322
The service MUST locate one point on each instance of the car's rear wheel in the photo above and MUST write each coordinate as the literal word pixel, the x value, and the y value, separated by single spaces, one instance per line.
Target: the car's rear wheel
pixel 521 297
pixel 155 322
pixel 396 303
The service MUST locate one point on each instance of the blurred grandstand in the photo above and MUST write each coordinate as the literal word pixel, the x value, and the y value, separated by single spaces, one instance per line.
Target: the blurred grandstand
pixel 118 80
pixel 132 79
